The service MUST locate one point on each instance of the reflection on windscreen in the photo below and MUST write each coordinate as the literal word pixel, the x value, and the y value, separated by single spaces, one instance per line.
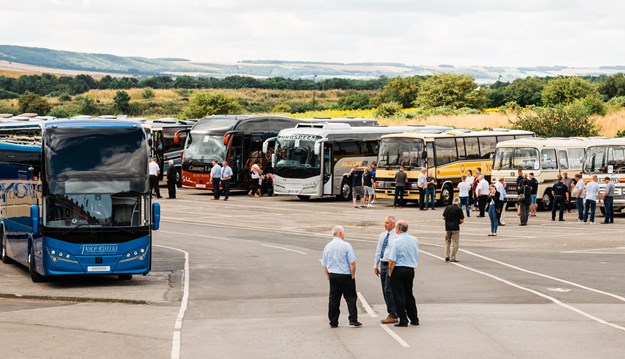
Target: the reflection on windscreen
pixel 396 152
pixel 205 148
pixel 296 153
pixel 510 158
pixel 598 161
pixel 80 209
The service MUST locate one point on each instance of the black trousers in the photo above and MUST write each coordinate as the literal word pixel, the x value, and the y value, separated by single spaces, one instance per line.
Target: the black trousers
pixel 154 186
pixel 558 204
pixel 421 198
pixel 399 193
pixel 500 208
pixel 216 191
pixel 342 285
pixel 481 202
pixel 405 304
pixel 225 183
pixel 171 188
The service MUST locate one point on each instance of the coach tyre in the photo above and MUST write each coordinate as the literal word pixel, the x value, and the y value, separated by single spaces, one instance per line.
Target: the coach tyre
pixel 303 198
pixel 125 276
pixel 5 258
pixel 447 195
pixel 36 277
pixel 545 203
pixel 346 190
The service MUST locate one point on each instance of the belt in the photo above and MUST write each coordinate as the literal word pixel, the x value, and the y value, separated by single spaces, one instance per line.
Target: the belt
pixel 384 262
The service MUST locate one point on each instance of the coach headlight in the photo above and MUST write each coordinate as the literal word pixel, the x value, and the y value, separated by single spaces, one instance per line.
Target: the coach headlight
pixel 414 185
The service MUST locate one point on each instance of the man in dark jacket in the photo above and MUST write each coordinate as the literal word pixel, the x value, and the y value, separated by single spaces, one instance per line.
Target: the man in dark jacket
pixel 172 174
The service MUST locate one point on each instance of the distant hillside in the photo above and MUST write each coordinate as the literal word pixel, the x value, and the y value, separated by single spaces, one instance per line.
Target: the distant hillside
pixel 68 62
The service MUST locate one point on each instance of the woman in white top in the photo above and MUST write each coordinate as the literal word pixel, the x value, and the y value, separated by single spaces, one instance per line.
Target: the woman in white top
pixel 464 188
pixel 470 179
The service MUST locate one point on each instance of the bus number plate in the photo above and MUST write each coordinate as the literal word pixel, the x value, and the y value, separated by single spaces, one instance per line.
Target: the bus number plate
pixel 98 268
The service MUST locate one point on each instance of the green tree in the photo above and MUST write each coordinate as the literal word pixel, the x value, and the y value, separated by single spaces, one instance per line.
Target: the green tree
pixel 30 102
pixel 60 112
pixel 403 90
pixel 524 92
pixel 87 106
pixel 202 104
pixel 355 101
pixel 122 101
pixel 612 86
pixel 565 90
pixel 453 91
pixel 387 109
pixel 558 121
pixel 147 93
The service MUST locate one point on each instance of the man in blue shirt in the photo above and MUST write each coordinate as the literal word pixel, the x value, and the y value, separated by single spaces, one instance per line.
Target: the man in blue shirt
pixel 380 267
pixel 216 178
pixel 403 260
pixel 226 175
pixel 339 265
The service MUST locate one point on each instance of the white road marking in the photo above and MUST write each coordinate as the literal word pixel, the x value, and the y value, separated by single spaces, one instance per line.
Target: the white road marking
pixel 197 235
pixel 559 290
pixel 395 336
pixel 176 341
pixel 552 299
pixel 366 305
pixel 609 250
pixel 372 314
pixel 286 249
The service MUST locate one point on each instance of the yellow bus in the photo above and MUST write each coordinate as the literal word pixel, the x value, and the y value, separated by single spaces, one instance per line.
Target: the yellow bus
pixel 447 155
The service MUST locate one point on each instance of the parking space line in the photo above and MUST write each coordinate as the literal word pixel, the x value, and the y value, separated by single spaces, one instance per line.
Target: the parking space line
pixel 196 235
pixel 177 336
pixel 542 295
pixel 283 248
pixel 372 314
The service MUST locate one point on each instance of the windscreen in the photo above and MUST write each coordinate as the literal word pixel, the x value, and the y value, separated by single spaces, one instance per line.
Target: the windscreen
pixel 295 156
pixel 515 158
pixel 395 152
pixel 204 148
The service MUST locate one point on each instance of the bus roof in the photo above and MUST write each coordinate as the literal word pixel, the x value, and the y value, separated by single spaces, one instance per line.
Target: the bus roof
pixel 224 123
pixel 429 135
pixel 559 142
pixel 343 130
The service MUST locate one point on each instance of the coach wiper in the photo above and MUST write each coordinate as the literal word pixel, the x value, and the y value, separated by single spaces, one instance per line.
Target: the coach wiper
pixel 71 229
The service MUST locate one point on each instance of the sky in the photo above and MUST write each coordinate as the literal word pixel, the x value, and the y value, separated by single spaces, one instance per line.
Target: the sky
pixel 575 33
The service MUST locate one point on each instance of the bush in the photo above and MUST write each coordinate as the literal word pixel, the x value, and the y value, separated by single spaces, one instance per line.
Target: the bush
pixel 30 102
pixel 65 97
pixel 620 133
pixel 355 101
pixel 202 104
pixel 617 102
pixel 87 106
pixel 387 109
pixel 282 107
pixel 122 101
pixel 565 90
pixel 559 121
pixel 147 93
pixel 593 105
pixel 6 95
pixel 60 112
pixel 301 107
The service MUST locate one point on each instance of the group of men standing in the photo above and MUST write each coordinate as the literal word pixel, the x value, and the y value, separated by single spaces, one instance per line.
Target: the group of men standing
pixel 396 258
pixel 221 174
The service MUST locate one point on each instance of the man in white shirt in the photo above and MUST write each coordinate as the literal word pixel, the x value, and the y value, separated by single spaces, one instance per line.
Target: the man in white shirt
pixel 154 170
pixel 380 267
pixel 463 193
pixel 226 175
pixel 500 185
pixel 216 179
pixel 481 191
pixel 578 193
pixel 592 190
pixel 422 184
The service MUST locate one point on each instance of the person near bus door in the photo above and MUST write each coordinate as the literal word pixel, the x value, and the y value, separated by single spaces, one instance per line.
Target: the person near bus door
pixel 560 198
pixel 422 184
pixel 172 175
pixel 430 191
pixel 226 175
pixel 154 171
pixel 215 179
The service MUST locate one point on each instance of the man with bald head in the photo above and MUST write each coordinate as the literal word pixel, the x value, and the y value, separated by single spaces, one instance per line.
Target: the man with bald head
pixel 403 259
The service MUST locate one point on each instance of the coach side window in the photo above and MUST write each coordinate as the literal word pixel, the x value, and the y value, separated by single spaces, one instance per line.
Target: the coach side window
pixel 487 146
pixel 445 151
pixel 472 147
pixel 548 159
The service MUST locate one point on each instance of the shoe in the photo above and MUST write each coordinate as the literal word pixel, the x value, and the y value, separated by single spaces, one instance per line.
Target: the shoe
pixel 592 222
pixel 560 220
pixel 501 224
pixel 579 220
pixel 523 224
pixel 417 322
pixel 334 325
pixel 389 320
pixel 553 220
pixel 356 323
pixel 372 202
pixel 225 199
pixel 370 205
pixel 490 234
pixel 446 259
pixel 433 209
pixel 453 261
pixel 159 196
pixel 400 324
pixel 356 207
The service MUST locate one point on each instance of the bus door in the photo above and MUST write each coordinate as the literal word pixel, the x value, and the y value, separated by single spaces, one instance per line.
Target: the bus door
pixel 256 151
pixel 326 169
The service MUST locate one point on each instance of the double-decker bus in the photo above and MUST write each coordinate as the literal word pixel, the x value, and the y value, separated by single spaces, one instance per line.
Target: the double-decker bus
pixel 164 147
pixel 74 198
pixel 447 155
pixel 312 159
pixel 546 158
pixel 606 158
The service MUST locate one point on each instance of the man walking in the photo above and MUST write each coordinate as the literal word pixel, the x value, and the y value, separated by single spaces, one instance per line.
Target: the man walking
pixel 560 198
pixel 422 184
pixel 339 265
pixel 226 175
pixel 401 178
pixel 482 193
pixel 608 201
pixel 402 261
pixel 215 179
pixel 380 267
pixel 358 192
pixel 154 170
pixel 592 190
pixel 453 217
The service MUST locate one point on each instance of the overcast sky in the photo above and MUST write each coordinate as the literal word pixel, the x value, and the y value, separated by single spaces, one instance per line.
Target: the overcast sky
pixel 419 32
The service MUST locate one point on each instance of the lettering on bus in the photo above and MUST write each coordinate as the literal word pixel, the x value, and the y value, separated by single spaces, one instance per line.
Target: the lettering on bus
pixel 350 164
pixel 298 137
pixel 199 168
pixel 98 249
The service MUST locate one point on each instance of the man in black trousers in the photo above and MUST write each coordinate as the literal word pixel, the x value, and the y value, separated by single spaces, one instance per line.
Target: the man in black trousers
pixel 403 260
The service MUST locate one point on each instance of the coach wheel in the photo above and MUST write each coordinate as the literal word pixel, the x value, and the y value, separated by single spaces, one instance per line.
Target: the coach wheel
pixel 602 209
pixel 5 258
pixel 545 203
pixel 32 266
pixel 447 195
pixel 346 191
pixel 303 198
pixel 125 276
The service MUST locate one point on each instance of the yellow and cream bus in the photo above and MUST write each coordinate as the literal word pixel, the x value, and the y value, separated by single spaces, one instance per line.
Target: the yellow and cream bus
pixel 446 154
pixel 546 158
pixel 607 158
